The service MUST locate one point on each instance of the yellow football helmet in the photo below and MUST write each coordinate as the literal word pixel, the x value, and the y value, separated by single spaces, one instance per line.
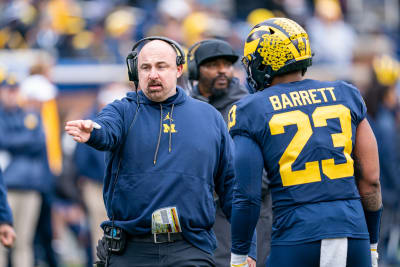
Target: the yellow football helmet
pixel 273 47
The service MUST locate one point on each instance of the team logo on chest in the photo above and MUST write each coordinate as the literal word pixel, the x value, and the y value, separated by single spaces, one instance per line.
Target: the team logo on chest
pixel 168 126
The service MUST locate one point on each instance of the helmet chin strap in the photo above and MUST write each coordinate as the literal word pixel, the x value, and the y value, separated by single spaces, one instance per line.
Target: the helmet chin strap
pixel 250 81
pixel 258 84
pixel 267 80
pixel 253 84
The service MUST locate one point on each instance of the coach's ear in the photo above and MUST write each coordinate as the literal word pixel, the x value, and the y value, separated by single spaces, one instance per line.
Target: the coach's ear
pixel 180 71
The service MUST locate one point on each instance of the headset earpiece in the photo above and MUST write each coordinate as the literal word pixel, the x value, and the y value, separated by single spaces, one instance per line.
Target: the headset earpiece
pixel 193 69
pixel 131 59
pixel 130 63
pixel 180 60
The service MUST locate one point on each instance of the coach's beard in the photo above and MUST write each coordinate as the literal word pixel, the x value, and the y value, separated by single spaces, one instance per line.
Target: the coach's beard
pixel 219 92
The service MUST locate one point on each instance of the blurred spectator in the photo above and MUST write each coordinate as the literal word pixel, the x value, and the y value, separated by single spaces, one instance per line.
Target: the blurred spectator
pixel 259 15
pixel 65 18
pixel 27 174
pixel 172 13
pixel 243 8
pixel 202 25
pixel 91 166
pixel 382 104
pixel 7 233
pixel 102 31
pixel 39 89
pixel 70 219
pixel 17 20
pixel 332 39
pixel 299 10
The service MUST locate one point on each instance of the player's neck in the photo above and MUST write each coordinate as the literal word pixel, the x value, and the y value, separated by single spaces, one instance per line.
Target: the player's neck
pixel 287 78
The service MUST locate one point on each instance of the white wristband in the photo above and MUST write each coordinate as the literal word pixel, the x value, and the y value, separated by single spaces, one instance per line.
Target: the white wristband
pixel 374 246
pixel 238 260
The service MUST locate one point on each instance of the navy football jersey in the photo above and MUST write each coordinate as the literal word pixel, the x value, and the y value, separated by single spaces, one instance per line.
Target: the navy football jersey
pixel 306 131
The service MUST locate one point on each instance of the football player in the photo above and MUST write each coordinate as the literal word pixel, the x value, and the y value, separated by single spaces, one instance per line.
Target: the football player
pixel 320 153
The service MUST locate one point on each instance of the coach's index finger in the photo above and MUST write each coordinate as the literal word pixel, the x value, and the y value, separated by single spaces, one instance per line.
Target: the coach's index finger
pixel 76 123
pixel 88 125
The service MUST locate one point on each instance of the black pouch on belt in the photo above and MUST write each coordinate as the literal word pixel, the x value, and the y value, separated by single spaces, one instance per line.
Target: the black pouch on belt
pixel 116 239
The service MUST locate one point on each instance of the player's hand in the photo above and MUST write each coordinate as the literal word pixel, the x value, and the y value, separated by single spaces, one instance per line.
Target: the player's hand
pixel 251 262
pixel 374 255
pixel 7 235
pixel 80 129
pixel 240 260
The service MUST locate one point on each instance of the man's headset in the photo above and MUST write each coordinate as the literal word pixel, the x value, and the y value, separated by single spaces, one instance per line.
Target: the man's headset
pixel 193 69
pixel 132 58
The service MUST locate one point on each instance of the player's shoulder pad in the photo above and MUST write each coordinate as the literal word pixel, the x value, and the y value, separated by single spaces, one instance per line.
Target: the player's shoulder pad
pixel 351 89
pixel 355 98
pixel 348 85
pixel 242 113
pixel 248 102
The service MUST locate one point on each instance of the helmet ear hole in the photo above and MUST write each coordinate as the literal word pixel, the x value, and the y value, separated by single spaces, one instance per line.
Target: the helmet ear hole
pixel 261 67
pixel 271 31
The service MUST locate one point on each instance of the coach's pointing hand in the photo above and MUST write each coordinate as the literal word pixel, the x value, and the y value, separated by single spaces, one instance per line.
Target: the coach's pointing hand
pixel 80 129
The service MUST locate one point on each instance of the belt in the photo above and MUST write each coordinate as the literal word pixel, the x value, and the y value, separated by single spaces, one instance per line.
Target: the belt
pixel 157 238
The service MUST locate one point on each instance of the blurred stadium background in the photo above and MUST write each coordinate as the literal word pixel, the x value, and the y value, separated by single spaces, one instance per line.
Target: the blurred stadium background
pixel 80 46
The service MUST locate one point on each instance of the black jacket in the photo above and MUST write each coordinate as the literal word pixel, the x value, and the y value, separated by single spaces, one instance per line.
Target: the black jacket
pixel 223 104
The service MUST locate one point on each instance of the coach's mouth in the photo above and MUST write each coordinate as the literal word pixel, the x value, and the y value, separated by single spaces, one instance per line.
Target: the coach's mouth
pixel 155 87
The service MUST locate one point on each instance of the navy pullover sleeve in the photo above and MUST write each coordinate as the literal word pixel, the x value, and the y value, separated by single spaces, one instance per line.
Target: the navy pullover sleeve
pixel 111 121
pixel 5 211
pixel 248 163
pixel 225 174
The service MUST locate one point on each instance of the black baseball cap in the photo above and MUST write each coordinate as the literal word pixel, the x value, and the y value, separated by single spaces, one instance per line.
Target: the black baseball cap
pixel 213 49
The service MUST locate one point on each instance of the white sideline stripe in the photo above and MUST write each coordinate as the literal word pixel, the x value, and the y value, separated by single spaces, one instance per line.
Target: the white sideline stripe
pixel 333 252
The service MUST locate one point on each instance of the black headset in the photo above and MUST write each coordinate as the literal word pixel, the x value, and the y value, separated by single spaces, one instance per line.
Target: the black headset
pixel 132 58
pixel 193 69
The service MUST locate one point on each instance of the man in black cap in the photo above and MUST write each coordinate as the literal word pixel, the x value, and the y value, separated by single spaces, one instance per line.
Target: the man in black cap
pixel 210 63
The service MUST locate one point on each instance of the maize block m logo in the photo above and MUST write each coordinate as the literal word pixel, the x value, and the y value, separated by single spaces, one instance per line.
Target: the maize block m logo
pixel 169 127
